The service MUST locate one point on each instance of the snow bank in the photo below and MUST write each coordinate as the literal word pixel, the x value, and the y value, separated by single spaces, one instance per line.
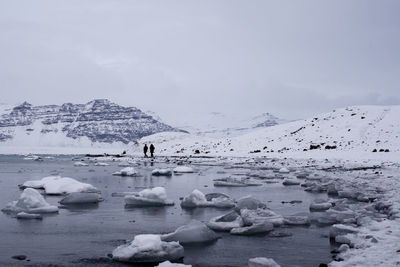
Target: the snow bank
pixel 128 171
pixel 56 185
pixel 30 201
pixel 156 196
pixel 194 232
pixel 148 248
pixel 198 199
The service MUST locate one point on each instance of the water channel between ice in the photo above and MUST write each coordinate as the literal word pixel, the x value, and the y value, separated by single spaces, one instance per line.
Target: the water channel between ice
pixel 80 236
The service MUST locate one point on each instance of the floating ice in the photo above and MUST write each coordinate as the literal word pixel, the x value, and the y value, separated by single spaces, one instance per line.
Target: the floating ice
pixel 235 182
pixel 30 201
pixel 262 262
pixel 226 222
pixel 249 202
pixel 258 228
pixel 296 220
pixel 290 182
pixel 28 216
pixel 80 164
pixel 101 164
pixel 156 196
pixel 124 164
pixel 320 205
pixel 284 170
pixel 128 171
pixel 161 172
pixel 198 199
pixel 257 216
pixel 183 169
pixel 194 232
pixel 81 198
pixel 170 264
pixel 148 248
pixel 56 185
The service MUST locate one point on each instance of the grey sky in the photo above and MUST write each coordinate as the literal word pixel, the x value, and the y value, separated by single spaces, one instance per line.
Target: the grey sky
pixel 290 58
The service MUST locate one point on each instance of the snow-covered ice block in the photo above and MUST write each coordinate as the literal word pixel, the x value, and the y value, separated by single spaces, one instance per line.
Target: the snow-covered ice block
pixel 290 182
pixel 235 182
pixel 296 220
pixel 101 164
pixel 284 170
pixel 128 171
pixel 124 164
pixel 81 198
pixel 226 222
pixel 198 199
pixel 194 232
pixel 257 216
pixel 30 201
pixel 148 248
pixel 341 229
pixel 262 262
pixel 29 216
pixel 258 228
pixel 320 205
pixel 80 164
pixel 56 185
pixel 156 196
pixel 183 169
pixel 161 172
pixel 170 264
pixel 248 202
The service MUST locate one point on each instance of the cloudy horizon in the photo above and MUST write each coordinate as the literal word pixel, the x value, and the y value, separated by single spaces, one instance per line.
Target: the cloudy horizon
pixel 178 57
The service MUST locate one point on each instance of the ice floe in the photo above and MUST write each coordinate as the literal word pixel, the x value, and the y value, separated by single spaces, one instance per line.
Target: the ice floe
pixel 56 185
pixel 194 232
pixel 80 164
pixel 148 248
pixel 156 196
pixel 262 262
pixel 30 201
pixel 183 169
pixel 161 172
pixel 81 198
pixel 198 199
pixel 226 222
pixel 170 264
pixel 128 171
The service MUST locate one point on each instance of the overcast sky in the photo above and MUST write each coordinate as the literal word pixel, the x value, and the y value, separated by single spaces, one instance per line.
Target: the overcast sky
pixel 176 58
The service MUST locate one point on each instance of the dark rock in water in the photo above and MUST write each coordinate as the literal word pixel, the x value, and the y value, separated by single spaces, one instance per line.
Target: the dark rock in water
pixel 323 265
pixel 315 147
pixel 19 257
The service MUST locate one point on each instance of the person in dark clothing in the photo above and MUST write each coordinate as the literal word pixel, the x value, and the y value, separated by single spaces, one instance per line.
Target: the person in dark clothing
pixel 145 148
pixel 152 150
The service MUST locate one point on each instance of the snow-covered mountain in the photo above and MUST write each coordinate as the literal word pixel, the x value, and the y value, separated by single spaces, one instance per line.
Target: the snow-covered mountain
pixel 98 121
pixel 374 130
pixel 216 124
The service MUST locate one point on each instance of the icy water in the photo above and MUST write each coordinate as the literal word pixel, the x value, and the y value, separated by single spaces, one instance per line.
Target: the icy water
pixel 84 236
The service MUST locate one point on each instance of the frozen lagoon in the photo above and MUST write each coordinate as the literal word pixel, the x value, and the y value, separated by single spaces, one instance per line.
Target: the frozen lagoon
pixel 85 235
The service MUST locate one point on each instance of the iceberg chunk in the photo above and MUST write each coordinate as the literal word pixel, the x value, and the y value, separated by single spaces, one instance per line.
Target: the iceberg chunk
pixel 161 172
pixel 170 264
pixel 128 171
pixel 194 232
pixel 57 185
pixel 320 205
pixel 258 228
pixel 249 202
pixel 81 198
pixel 257 216
pixel 148 248
pixel 80 164
pixel 28 216
pixel 198 199
pixel 156 196
pixel 183 169
pixel 30 201
pixel 226 222
pixel 262 262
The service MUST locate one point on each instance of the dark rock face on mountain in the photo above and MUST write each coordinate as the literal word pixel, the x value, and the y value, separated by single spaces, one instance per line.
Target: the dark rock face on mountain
pixel 99 120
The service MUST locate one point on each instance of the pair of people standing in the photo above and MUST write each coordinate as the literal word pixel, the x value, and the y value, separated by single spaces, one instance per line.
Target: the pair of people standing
pixel 152 148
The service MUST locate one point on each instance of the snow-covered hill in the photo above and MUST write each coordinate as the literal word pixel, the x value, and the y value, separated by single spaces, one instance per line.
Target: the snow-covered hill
pixel 359 129
pixel 98 123
pixel 216 124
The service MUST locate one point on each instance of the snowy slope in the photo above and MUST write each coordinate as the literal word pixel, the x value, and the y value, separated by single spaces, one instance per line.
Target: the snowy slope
pixel 355 129
pixel 216 124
